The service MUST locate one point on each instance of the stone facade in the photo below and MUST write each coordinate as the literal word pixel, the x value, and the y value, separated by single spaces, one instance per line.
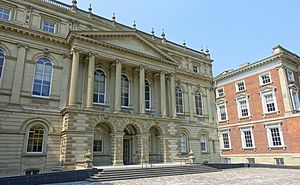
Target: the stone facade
pixel 261 117
pixel 76 87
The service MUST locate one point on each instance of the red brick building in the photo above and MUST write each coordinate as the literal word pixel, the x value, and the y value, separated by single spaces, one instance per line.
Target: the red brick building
pixel 258 110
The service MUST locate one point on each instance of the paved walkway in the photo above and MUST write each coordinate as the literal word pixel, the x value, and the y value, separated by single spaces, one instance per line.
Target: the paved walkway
pixel 238 176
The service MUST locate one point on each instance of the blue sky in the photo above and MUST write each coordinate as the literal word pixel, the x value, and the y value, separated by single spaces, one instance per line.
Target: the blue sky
pixel 235 31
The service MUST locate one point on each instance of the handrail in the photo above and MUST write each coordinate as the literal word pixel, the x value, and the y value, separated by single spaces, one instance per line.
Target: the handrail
pixel 57 3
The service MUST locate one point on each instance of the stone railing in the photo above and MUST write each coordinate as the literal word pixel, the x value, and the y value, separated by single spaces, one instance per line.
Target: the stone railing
pixel 57 4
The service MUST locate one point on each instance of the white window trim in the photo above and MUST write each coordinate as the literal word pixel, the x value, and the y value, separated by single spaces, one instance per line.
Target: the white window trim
pixel 237 88
pixel 217 92
pixel 269 136
pixel 45 136
pixel 219 113
pixel 10 13
pixel 292 75
pixel 260 79
pixel 97 103
pixel 292 98
pixel 248 128
pixel 266 92
pixel 49 21
pixel 222 141
pixel 238 100
pixel 206 143
pixel 50 89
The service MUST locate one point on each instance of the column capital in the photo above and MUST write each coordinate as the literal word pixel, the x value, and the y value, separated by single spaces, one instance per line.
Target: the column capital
pixel 163 72
pixel 21 45
pixel 155 75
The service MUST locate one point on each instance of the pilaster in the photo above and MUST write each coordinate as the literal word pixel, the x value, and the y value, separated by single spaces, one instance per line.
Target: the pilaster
pixel 90 85
pixel 163 110
pixel 190 99
pixel 142 90
pixel 74 78
pixel 173 98
pixel 118 86
pixel 288 106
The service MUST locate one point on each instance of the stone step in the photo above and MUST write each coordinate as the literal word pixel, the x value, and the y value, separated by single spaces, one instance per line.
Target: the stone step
pixel 123 174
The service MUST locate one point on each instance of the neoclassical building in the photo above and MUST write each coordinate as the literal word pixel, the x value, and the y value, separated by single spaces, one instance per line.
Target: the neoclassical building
pixel 76 86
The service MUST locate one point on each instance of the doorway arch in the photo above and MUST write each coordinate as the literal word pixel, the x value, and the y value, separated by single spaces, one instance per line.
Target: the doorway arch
pixel 155 145
pixel 130 145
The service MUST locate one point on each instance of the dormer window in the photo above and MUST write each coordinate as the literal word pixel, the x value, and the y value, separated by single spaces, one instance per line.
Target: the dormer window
pixel 4 14
pixel 49 26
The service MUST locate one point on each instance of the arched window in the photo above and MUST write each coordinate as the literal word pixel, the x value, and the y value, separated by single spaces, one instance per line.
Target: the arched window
pixel 183 142
pixel 99 87
pixel 125 91
pixel 42 77
pixel 198 103
pixel 147 95
pixel 2 60
pixel 179 100
pixel 35 139
pixel 98 141
pixel 203 142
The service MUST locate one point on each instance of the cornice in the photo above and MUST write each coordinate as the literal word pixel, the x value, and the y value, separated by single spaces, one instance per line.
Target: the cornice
pixel 32 33
pixel 248 67
pixel 83 37
pixel 194 76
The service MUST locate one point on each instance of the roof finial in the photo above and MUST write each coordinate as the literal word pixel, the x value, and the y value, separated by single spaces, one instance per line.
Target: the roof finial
pixel 152 34
pixel 134 24
pixel 74 5
pixel 207 51
pixel 113 17
pixel 163 35
pixel 201 49
pixel 184 44
pixel 90 10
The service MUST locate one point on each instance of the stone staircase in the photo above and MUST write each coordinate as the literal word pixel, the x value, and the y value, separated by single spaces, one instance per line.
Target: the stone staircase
pixel 135 173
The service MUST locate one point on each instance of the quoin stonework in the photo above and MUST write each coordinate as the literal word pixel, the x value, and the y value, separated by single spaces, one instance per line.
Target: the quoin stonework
pixel 78 90
pixel 258 110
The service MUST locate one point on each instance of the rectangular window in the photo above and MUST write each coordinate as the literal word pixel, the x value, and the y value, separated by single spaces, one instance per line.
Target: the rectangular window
pixel 4 14
pixel 247 137
pixel 49 26
pixel 251 160
pixel 222 112
pixel 295 98
pixel 225 139
pixel 240 86
pixel 32 172
pixel 269 102
pixel 290 75
pixel 243 107
pixel 195 69
pixel 265 79
pixel 274 134
pixel 279 161
pixel 220 92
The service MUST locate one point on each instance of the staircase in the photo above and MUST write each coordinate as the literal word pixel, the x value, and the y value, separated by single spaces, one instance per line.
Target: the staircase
pixel 135 173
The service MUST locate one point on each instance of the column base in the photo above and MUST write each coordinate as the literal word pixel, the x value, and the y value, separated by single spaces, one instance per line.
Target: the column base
pixel 118 163
pixel 89 108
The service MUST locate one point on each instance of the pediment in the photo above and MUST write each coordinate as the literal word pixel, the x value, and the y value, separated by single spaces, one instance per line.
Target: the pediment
pixel 130 41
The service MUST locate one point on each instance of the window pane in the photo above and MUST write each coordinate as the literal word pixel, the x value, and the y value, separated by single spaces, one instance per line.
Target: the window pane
pixel 35 139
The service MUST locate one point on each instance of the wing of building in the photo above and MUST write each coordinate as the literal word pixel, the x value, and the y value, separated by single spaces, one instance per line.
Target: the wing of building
pixel 258 110
pixel 76 87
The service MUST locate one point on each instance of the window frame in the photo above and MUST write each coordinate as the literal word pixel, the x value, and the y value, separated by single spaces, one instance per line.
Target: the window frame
pixel 129 91
pixel 186 141
pixel 219 104
pixel 206 142
pixel 265 93
pixel 150 94
pixel 51 79
pixel 238 103
pixel 49 22
pixel 279 160
pixel 268 127
pixel 222 146
pixel 290 75
pixel 104 100
pixel 237 90
pixel 217 92
pixel 243 139
pixel 177 97
pixel 196 69
pixel 295 101
pixel 261 80
pixel 199 106
pixel 45 134
pixel 10 13
pixel 3 65
pixel 102 140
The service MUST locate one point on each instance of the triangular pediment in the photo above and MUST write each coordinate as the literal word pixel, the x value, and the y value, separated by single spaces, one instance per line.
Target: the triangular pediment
pixel 130 41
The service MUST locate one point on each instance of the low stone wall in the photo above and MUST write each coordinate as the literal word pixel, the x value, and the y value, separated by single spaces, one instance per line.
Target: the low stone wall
pixel 46 178
pixel 247 165
pixel 226 166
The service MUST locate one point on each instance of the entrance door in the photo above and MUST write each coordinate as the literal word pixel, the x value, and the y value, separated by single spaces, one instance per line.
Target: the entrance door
pixel 126 151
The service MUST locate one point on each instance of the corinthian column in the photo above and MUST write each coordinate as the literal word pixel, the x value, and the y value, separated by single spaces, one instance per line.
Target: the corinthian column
pixel 74 78
pixel 142 89
pixel 118 86
pixel 90 85
pixel 163 94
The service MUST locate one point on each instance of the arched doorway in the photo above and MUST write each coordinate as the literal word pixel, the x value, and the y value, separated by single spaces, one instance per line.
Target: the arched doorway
pixel 130 145
pixel 155 147
pixel 102 145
